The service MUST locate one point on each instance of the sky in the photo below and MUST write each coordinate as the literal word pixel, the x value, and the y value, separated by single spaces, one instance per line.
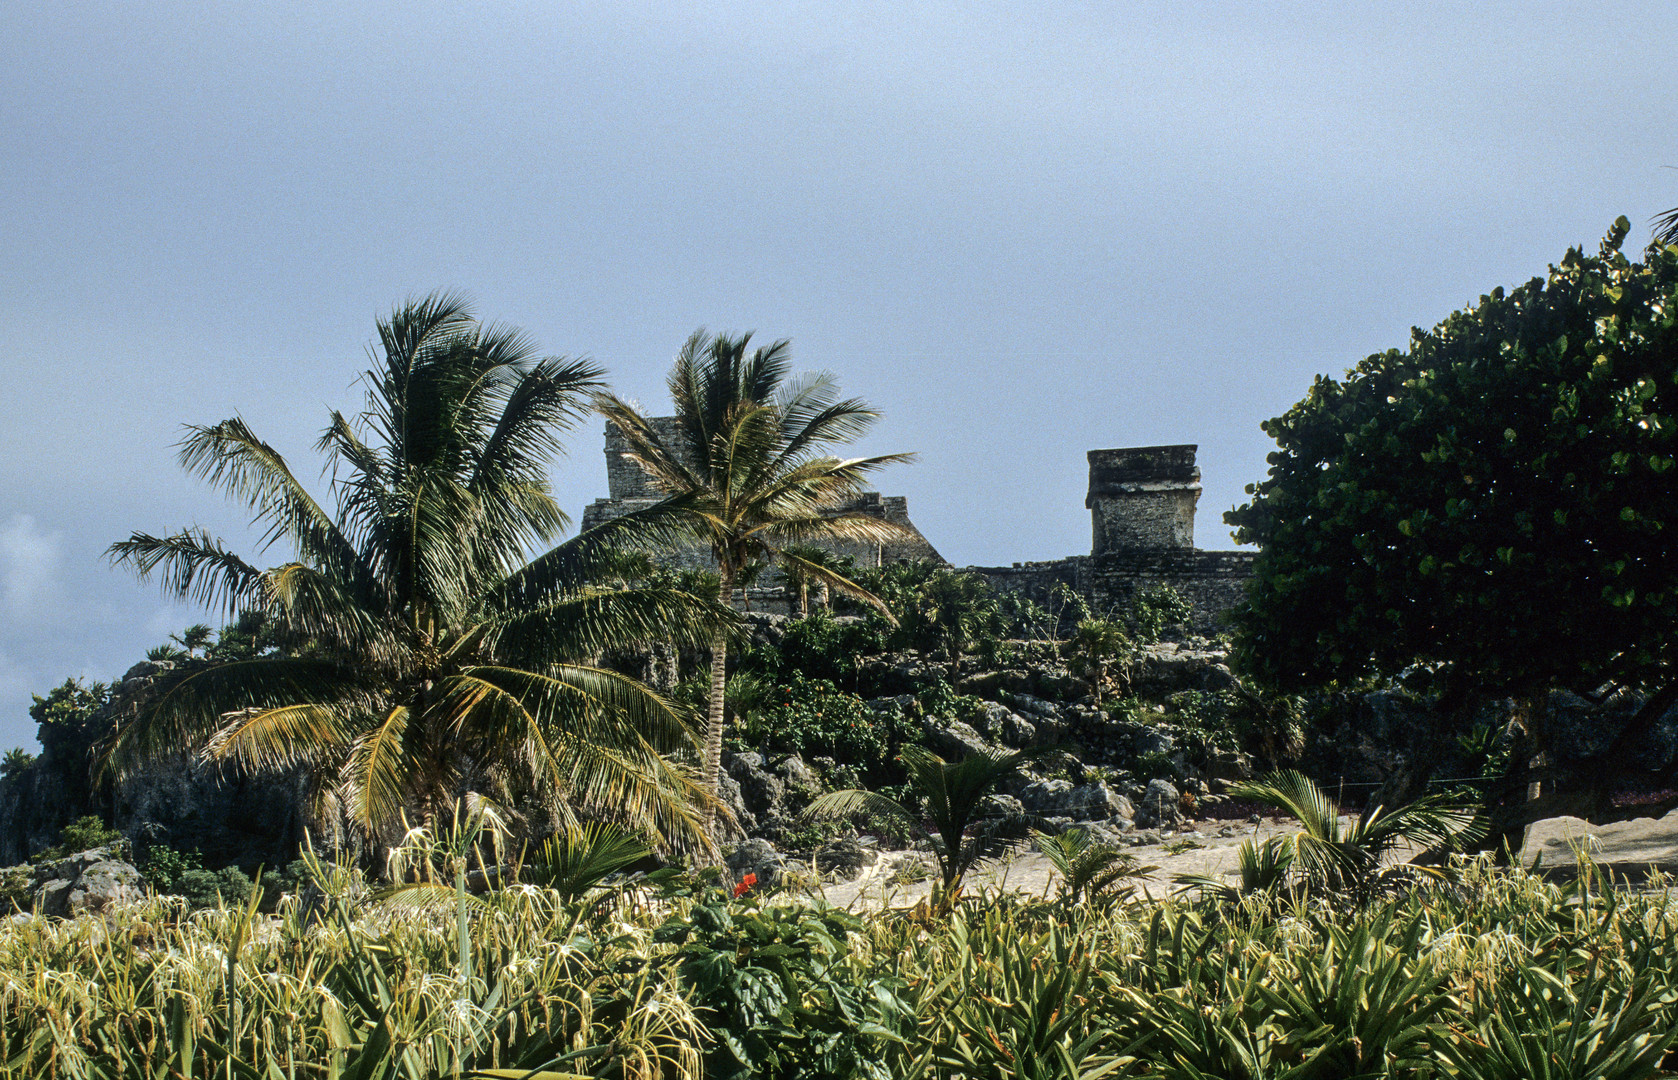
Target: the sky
pixel 1022 231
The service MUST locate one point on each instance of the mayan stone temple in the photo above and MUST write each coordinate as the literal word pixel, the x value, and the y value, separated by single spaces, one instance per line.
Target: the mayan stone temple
pixel 1141 502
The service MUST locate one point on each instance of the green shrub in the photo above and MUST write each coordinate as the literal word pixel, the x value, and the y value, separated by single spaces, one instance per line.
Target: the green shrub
pixel 815 718
pixel 83 834
pixel 162 866
pixel 781 994
pixel 201 888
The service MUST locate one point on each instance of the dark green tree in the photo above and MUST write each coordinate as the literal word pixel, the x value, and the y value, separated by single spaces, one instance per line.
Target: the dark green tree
pixel 1495 506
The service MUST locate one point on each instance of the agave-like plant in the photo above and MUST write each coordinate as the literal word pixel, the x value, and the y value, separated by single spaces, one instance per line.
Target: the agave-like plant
pixel 1341 854
pixel 955 819
pixel 430 658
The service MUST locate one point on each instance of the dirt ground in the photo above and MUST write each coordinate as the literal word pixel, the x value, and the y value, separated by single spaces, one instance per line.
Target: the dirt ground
pixel 1627 848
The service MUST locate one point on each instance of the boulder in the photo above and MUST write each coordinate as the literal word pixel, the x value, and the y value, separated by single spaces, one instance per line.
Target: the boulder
pixel 1002 805
pixel 1153 740
pixel 728 791
pixel 762 792
pixel 1634 849
pixel 845 859
pixel 757 857
pixel 87 882
pixel 951 740
pixel 1161 806
pixel 1081 802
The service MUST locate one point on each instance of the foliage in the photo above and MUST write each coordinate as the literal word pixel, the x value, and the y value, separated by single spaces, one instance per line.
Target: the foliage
pixel 582 857
pixel 780 992
pixel 1497 974
pixel 750 472
pixel 429 658
pixel 1090 871
pixel 162 866
pixel 820 647
pixel 1495 503
pixel 814 718
pixel 83 834
pixel 1099 647
pixel 15 763
pixel 202 888
pixel 952 816
pixel 69 710
pixel 1348 856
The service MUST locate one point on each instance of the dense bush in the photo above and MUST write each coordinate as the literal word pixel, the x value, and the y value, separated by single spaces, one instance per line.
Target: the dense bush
pixel 784 992
pixel 815 718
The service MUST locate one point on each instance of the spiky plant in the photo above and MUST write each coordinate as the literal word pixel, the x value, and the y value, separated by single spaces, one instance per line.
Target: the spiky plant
pixel 582 856
pixel 430 656
pixel 750 458
pixel 1349 854
pixel 953 816
pixel 1090 870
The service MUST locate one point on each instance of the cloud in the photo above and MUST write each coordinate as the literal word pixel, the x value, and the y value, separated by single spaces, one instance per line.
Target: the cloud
pixel 29 563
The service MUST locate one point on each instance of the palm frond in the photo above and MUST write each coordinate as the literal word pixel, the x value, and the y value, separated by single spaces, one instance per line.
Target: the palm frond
pixel 381 771
pixel 229 456
pixel 584 855
pixel 282 737
pixel 839 805
pixel 193 566
pixel 187 706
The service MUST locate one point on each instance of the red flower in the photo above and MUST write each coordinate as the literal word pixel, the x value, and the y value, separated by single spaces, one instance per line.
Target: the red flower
pixel 745 885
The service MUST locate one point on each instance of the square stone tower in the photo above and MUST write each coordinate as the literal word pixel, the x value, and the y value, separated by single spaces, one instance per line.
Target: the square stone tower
pixel 1142 498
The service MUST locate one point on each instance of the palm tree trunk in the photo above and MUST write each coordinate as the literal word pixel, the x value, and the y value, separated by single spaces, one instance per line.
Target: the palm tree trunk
pixel 711 769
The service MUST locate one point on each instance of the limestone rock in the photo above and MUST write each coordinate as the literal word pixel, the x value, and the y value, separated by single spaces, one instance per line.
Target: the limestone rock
pixel 951 740
pixel 1629 848
pixel 87 882
pixel 1081 802
pixel 1161 806
pixel 757 857
pixel 845 859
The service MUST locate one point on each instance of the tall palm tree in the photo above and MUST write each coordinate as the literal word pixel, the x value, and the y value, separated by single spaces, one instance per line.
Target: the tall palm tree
pixel 749 457
pixel 430 657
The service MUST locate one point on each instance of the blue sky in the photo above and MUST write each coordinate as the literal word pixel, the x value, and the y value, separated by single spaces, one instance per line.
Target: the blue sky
pixel 1022 231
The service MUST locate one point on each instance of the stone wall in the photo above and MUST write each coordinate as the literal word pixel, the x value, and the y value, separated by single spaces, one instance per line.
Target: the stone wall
pixel 1141 502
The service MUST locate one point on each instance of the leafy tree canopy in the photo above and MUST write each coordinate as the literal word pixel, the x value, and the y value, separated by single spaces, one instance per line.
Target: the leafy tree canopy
pixel 1496 504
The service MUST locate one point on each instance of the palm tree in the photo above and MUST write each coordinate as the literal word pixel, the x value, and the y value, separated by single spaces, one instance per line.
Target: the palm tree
pixel 955 821
pixel 1347 855
pixel 429 658
pixel 748 457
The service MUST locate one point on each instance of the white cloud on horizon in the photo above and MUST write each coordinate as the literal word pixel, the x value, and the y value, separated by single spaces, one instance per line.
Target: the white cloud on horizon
pixel 29 564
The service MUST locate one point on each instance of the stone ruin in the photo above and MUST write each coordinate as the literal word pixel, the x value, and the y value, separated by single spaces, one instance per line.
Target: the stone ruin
pixel 629 488
pixel 1141 502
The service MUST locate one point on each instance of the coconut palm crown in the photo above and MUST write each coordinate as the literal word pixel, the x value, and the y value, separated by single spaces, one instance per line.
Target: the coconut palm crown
pixel 750 459
pixel 431 658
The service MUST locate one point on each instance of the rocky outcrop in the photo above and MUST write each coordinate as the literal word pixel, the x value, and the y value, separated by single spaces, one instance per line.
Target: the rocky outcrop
pixel 1080 802
pixel 758 859
pixel 766 796
pixel 86 883
pixel 1160 807
pixel 180 802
